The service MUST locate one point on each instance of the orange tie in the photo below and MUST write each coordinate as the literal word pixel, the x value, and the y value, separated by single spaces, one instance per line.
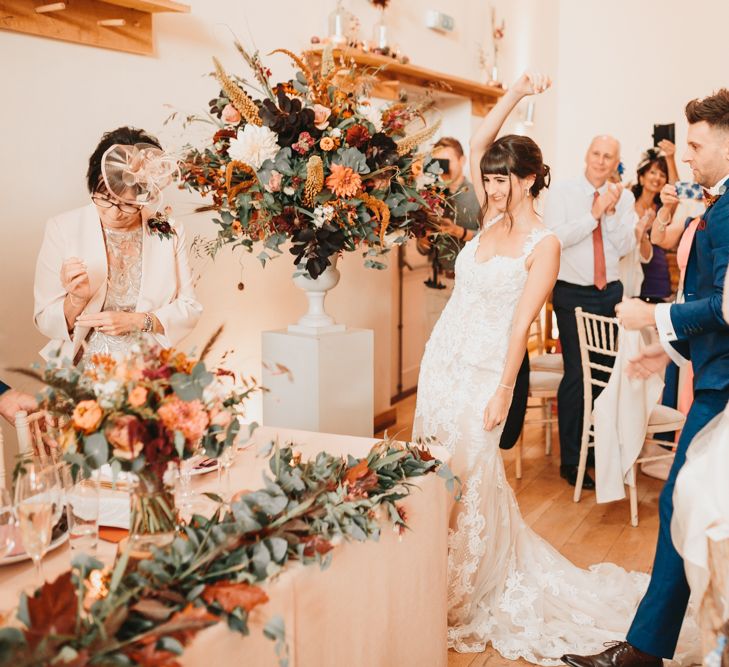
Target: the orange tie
pixel 598 251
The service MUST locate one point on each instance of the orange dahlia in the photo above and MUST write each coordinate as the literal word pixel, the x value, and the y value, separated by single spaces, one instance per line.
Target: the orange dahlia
pixel 343 181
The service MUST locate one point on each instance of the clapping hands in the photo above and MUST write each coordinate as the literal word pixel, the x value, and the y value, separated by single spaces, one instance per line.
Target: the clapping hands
pixel 644 223
pixel 606 202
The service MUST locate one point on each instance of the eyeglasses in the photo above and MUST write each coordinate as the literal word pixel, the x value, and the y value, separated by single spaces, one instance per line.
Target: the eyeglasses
pixel 105 202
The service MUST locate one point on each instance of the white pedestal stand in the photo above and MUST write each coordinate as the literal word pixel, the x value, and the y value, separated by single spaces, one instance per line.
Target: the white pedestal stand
pixel 330 387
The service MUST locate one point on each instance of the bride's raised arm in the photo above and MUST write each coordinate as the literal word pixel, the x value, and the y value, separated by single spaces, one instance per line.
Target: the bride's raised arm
pixel 543 272
pixel 485 135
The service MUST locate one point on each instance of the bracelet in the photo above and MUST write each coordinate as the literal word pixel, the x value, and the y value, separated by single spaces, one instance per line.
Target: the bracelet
pixel 506 386
pixel 147 326
pixel 465 234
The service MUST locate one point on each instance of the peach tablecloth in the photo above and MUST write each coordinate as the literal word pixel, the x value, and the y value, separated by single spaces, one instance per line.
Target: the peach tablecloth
pixel 378 604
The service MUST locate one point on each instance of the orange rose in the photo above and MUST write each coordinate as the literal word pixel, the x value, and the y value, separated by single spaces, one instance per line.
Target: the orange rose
pixel 327 143
pixel 125 436
pixel 87 416
pixel 416 168
pixel 138 397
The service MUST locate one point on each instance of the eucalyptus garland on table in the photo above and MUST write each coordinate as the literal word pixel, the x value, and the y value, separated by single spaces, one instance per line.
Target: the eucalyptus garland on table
pixel 212 571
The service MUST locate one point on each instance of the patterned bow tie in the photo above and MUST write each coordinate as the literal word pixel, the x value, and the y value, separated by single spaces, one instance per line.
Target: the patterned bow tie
pixel 710 199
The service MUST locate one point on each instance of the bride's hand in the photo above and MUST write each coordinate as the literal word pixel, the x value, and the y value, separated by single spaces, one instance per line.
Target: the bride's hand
pixel 531 83
pixel 497 409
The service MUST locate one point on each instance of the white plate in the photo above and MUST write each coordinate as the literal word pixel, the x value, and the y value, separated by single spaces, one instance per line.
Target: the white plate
pixel 19 558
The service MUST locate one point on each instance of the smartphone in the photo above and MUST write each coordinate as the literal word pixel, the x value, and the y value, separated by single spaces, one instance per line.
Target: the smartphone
pixel 661 132
pixel 689 190
pixel 445 164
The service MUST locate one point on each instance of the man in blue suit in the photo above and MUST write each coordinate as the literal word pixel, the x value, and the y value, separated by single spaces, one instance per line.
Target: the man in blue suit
pixel 12 400
pixel 694 330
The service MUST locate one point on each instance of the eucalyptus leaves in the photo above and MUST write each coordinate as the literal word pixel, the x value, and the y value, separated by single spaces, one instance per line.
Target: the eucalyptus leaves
pixel 213 569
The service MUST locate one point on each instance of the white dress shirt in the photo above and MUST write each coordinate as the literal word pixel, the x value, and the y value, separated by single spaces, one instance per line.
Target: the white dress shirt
pixel 568 213
pixel 666 332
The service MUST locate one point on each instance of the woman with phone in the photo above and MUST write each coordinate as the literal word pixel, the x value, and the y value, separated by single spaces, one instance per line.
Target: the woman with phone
pixel 656 168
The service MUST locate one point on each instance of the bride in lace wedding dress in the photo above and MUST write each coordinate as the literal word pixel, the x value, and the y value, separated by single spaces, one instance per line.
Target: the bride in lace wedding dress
pixel 506 585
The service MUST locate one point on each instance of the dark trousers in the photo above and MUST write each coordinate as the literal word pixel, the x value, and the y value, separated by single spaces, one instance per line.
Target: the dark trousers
pixel 570 406
pixel 517 410
pixel 658 620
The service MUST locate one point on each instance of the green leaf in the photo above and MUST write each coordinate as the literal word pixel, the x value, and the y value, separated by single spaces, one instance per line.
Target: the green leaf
pixel 97 449
pixel 85 563
pixel 23 615
pixel 170 644
pixel 11 639
pixel 275 628
pixel 115 470
pixel 279 547
pixel 352 158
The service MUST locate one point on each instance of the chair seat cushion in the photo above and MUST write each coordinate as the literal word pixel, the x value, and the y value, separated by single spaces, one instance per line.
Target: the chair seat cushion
pixel 547 362
pixel 544 381
pixel 665 418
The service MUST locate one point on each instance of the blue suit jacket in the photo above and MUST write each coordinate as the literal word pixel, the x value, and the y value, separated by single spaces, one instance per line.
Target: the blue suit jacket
pixel 702 334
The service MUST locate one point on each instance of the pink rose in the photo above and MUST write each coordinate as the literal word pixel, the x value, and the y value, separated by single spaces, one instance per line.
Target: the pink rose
pixel 231 115
pixel 274 181
pixel 321 116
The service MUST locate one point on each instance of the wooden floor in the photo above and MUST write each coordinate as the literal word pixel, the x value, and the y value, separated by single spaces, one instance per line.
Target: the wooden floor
pixel 584 532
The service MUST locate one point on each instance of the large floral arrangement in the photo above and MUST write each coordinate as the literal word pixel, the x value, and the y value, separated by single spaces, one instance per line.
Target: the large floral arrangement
pixel 313 162
pixel 213 570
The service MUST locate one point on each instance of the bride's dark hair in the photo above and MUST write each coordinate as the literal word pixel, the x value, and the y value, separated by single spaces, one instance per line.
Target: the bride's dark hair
pixel 514 154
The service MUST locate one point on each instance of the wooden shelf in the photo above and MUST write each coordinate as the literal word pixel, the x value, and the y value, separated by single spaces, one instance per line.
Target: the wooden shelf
pixel 128 23
pixel 391 74
pixel 151 6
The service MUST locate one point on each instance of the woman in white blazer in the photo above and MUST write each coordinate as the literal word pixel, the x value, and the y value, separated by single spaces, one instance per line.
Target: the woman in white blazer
pixel 113 268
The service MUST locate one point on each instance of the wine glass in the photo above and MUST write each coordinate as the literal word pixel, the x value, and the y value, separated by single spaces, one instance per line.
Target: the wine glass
pixel 225 463
pixel 7 524
pixel 37 491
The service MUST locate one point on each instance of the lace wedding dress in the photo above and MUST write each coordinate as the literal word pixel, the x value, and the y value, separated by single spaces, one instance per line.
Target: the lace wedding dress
pixel 506 585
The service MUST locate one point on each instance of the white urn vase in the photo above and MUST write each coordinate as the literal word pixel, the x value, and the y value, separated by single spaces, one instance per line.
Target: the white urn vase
pixel 316 320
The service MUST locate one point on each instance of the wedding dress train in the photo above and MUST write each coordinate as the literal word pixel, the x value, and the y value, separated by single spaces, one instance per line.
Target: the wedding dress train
pixel 506 585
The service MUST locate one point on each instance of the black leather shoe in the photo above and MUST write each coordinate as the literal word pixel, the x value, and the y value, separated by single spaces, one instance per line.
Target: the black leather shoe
pixel 617 654
pixel 570 474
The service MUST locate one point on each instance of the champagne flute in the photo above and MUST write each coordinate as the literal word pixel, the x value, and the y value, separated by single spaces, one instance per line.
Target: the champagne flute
pixel 36 489
pixel 7 524
pixel 225 463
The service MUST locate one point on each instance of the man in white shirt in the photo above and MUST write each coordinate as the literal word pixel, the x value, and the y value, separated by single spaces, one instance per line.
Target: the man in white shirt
pixel 595 221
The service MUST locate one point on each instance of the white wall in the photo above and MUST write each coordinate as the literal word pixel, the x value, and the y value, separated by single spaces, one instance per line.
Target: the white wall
pixel 626 64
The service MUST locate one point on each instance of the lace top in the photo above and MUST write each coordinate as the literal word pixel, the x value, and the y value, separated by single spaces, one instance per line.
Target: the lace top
pixel 472 335
pixel 124 253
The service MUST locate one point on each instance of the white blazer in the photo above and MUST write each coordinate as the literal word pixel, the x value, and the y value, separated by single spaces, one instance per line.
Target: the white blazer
pixel 166 287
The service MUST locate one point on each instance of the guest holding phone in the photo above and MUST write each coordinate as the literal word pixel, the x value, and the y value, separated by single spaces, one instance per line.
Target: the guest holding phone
pixel 656 168
pixel 461 221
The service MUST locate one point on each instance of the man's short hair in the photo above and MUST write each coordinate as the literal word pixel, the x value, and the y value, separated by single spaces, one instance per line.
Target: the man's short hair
pixel 713 109
pixel 450 142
